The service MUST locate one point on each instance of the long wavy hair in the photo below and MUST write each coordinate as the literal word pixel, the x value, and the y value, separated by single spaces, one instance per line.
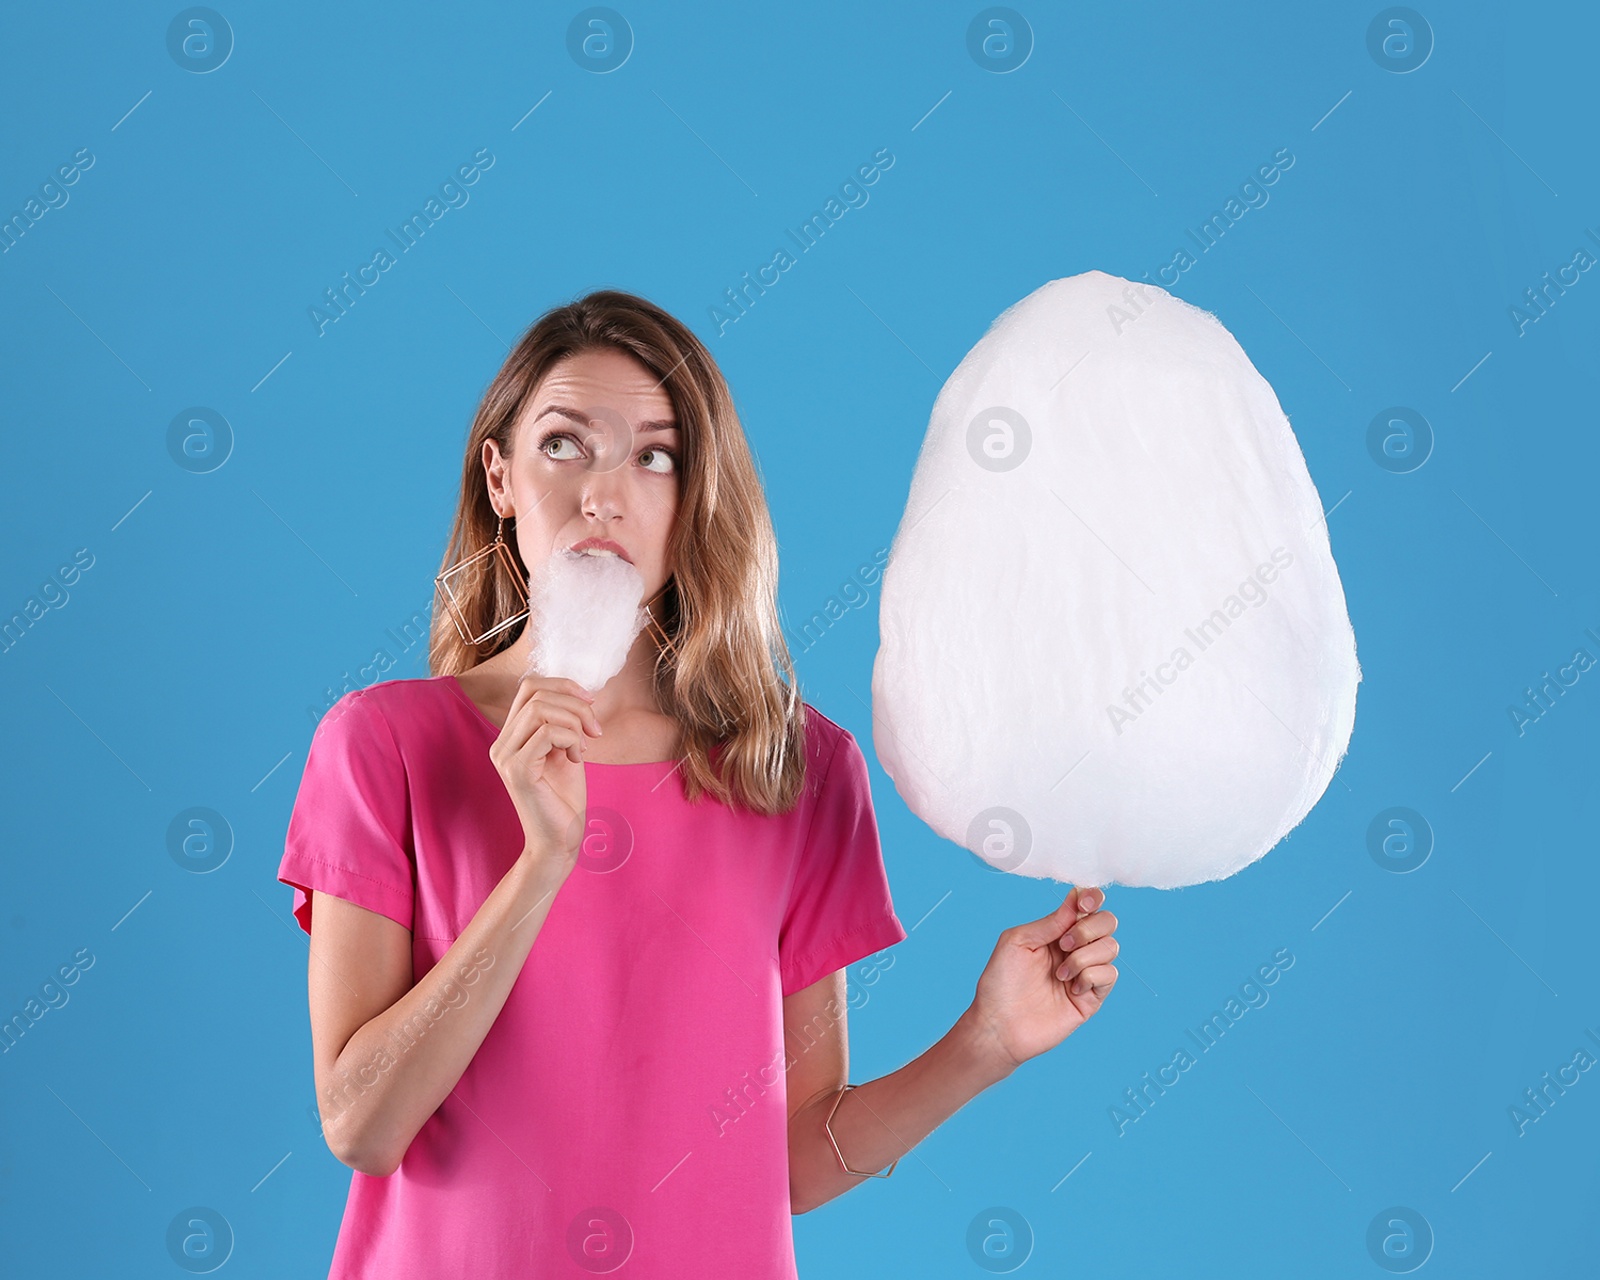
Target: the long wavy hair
pixel 731 682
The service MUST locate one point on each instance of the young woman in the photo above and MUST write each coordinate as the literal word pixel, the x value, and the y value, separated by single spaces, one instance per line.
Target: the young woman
pixel 577 975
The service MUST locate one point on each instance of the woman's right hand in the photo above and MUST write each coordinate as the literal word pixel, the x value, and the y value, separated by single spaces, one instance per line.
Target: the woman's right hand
pixel 539 754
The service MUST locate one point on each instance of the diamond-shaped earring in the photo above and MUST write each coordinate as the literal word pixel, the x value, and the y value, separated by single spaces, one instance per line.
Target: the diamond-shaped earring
pixel 446 585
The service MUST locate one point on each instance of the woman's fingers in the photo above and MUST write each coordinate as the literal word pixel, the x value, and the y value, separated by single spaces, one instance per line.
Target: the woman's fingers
pixel 548 714
pixel 572 701
pixel 566 729
pixel 1091 954
pixel 1088 929
pixel 520 728
pixel 579 707
pixel 1099 978
pixel 546 704
pixel 548 737
pixel 548 689
pixel 530 685
pixel 536 712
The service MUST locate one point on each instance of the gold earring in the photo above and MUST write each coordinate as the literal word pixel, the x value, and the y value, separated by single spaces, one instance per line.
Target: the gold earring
pixel 501 553
pixel 655 627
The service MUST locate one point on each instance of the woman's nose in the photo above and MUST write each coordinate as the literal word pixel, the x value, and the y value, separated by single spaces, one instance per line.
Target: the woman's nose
pixel 603 494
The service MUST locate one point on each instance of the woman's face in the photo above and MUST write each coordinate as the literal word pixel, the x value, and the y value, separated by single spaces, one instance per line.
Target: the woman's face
pixel 594 455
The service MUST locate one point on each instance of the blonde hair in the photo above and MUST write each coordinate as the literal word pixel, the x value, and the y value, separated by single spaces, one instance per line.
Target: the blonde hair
pixel 731 681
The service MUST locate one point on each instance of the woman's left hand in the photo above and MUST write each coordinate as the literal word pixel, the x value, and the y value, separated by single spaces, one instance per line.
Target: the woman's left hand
pixel 1046 978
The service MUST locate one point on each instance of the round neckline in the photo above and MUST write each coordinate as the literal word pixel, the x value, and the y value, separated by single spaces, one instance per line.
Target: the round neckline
pixel 493 728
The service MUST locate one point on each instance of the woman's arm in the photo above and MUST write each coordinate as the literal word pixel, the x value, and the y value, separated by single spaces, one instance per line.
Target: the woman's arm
pixel 881 1120
pixel 387 1053
pixel 1044 980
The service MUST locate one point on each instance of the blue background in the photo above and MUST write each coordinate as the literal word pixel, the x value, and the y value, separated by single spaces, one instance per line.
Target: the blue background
pixel 225 606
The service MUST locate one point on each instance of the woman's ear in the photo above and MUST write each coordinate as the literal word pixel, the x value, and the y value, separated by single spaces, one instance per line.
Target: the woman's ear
pixel 494 470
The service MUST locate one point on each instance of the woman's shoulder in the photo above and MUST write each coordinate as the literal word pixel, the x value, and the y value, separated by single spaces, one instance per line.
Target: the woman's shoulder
pixel 418 707
pixel 825 737
pixel 401 704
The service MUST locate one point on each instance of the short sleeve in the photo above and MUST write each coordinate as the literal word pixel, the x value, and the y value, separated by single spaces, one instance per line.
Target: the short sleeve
pixel 350 829
pixel 839 908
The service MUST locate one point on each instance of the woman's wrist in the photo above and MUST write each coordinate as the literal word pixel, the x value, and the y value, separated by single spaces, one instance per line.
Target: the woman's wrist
pixel 980 1043
pixel 542 869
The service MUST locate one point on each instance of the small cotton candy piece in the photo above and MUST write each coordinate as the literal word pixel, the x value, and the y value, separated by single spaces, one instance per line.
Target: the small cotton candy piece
pixel 584 613
pixel 1114 644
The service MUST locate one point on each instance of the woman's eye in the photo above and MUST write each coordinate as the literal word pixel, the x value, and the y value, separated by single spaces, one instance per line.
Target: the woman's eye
pixel 663 456
pixel 556 438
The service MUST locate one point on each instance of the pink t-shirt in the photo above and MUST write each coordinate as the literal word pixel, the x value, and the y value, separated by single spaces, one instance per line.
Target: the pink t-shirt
pixel 627 1106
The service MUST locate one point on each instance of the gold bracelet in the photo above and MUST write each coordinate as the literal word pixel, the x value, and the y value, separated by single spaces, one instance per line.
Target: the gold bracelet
pixel 826 1125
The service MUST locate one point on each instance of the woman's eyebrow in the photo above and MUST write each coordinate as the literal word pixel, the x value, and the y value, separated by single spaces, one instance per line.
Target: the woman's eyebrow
pixel 583 419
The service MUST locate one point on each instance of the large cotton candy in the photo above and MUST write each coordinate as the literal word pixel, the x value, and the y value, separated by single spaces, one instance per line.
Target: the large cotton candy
pixel 1114 646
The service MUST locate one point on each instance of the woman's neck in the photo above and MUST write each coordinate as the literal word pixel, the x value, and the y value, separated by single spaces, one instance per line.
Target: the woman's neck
pixel 628 694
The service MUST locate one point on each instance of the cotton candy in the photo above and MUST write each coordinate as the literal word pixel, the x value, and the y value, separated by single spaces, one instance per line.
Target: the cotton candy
pixel 584 613
pixel 1113 641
